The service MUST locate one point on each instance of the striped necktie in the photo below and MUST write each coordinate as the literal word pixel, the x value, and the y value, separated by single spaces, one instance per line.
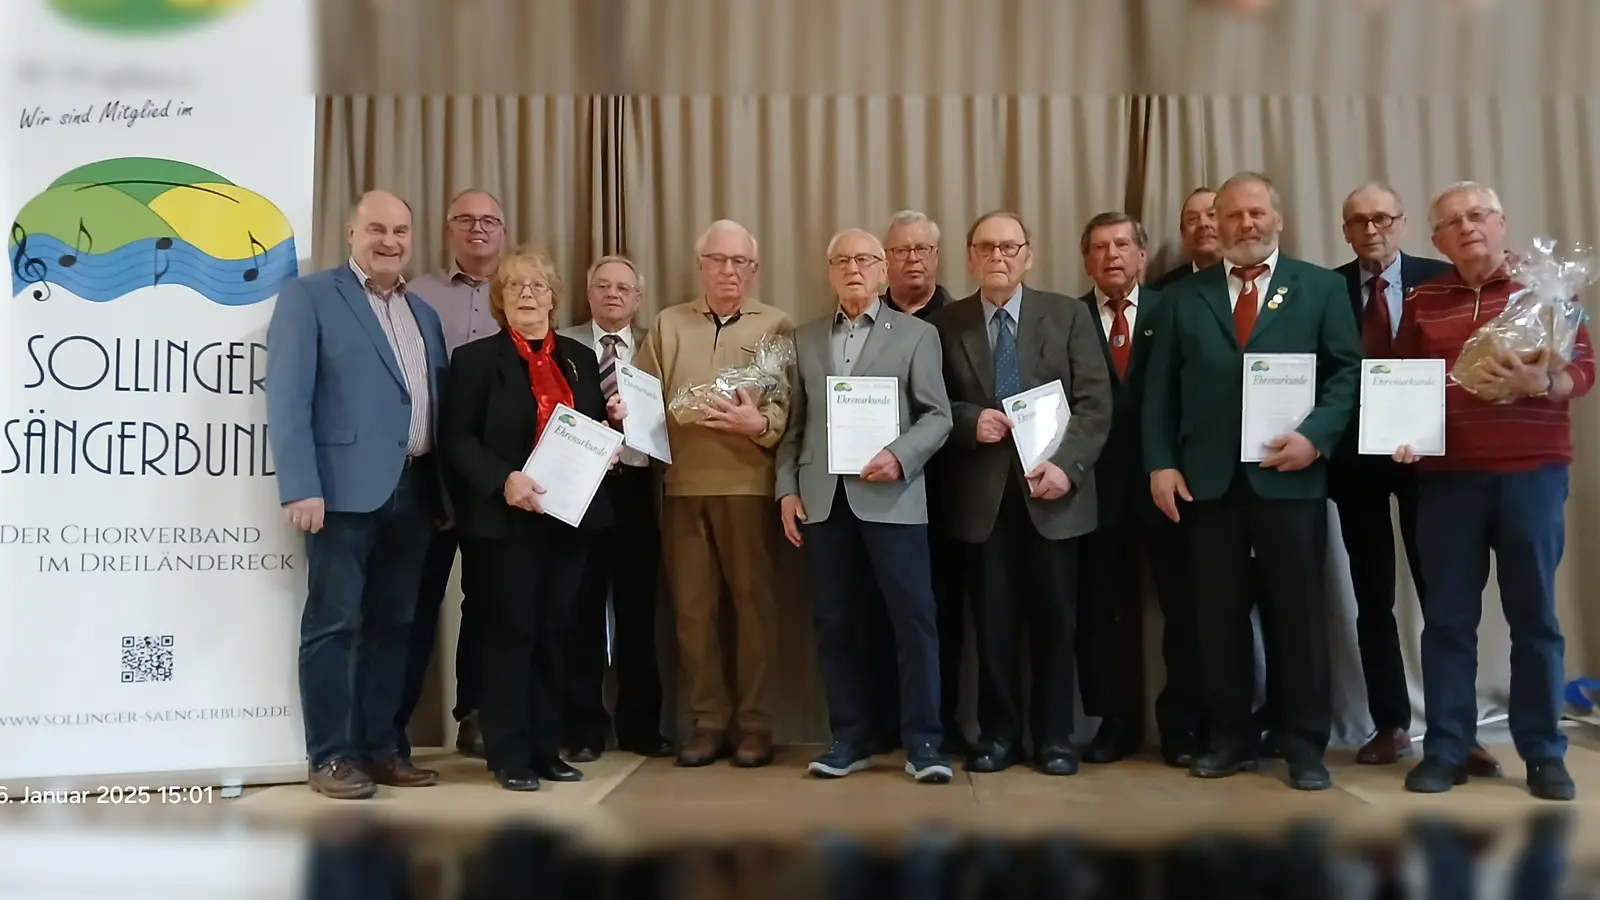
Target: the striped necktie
pixel 608 364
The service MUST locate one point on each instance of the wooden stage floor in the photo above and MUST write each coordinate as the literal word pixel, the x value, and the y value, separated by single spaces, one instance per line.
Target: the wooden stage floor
pixel 630 807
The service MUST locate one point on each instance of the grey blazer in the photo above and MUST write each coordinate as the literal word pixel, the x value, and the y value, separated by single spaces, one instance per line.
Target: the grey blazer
pixel 898 346
pixel 1058 337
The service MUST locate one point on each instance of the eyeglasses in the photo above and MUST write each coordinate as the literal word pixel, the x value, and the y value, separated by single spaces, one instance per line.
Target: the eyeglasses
pixel 1476 216
pixel 606 287
pixel 718 260
pixel 862 260
pixel 517 288
pixel 471 223
pixel 917 251
pixel 1381 221
pixel 1008 249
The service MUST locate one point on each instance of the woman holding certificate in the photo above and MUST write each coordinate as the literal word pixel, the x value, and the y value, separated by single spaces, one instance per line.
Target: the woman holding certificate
pixel 503 392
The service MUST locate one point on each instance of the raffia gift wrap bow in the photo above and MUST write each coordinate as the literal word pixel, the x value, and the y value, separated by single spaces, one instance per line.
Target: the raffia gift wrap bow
pixel 765 376
pixel 1540 321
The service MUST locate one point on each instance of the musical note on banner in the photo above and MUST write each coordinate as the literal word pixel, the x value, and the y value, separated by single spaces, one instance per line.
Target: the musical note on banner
pixel 161 262
pixel 71 259
pixel 254 272
pixel 31 269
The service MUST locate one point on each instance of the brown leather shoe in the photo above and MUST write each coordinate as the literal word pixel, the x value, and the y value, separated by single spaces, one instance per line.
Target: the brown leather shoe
pixel 340 780
pixel 397 771
pixel 1482 764
pixel 755 749
pixel 1385 748
pixel 704 748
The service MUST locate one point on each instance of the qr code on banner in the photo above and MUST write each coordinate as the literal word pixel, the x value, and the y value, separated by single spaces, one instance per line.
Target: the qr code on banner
pixel 147 658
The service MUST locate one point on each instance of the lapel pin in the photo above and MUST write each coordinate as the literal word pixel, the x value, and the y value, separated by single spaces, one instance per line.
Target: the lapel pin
pixel 1148 332
pixel 1274 303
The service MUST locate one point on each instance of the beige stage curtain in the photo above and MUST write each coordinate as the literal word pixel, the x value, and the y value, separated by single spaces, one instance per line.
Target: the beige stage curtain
pixel 1537 153
pixel 582 176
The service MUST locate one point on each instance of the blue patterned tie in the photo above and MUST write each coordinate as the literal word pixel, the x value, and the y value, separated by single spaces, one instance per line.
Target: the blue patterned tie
pixel 1007 383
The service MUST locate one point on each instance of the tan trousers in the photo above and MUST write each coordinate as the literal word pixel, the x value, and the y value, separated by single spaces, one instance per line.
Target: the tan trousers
pixel 709 542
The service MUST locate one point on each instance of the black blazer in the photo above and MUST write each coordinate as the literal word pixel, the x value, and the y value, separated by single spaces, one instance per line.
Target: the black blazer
pixel 1055 340
pixel 488 425
pixel 1173 276
pixel 1414 270
pixel 1120 478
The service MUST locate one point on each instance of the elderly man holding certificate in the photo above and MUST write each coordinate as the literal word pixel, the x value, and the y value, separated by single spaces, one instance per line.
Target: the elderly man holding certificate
pixel 868 411
pixel 1250 387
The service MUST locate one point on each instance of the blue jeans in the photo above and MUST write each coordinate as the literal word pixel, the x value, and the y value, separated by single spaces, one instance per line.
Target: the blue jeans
pixel 1461 518
pixel 364 570
pixel 847 556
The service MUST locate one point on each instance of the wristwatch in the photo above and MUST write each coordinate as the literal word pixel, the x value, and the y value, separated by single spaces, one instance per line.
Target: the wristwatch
pixel 1549 385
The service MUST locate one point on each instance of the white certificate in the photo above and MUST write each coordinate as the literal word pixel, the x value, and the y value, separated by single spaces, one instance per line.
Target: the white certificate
pixel 570 460
pixel 1280 390
pixel 863 418
pixel 1402 404
pixel 645 428
pixel 1038 422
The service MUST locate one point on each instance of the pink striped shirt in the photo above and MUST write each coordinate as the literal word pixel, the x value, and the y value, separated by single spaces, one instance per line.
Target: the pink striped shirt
pixel 1529 433
pixel 410 351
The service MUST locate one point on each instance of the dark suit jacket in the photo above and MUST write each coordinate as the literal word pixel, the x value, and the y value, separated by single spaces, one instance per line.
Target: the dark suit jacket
pixel 489 422
pixel 1173 276
pixel 1414 270
pixel 1055 339
pixel 1121 481
pixel 1192 406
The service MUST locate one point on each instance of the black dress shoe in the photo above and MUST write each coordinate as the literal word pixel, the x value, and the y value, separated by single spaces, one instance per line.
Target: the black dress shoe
pixel 1056 759
pixel 993 756
pixel 1309 775
pixel 1223 763
pixel 1271 745
pixel 554 769
pixel 656 747
pixel 517 780
pixel 1113 741
pixel 1434 776
pixel 585 753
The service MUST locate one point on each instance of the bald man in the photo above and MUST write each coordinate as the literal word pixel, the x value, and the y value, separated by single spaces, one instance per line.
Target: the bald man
pixel 354 363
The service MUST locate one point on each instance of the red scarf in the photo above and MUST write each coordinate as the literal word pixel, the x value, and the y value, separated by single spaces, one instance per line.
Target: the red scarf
pixel 550 387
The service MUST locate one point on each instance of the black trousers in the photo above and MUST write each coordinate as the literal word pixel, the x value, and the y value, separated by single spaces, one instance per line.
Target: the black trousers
pixel 1110 639
pixel 625 573
pixel 948 565
pixel 529 582
pixel 845 555
pixel 1022 583
pixel 1361 489
pixel 1290 539
pixel 437 562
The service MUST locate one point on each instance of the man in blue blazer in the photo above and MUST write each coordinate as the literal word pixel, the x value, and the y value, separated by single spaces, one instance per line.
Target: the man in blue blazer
pixel 354 370
pixel 1379 278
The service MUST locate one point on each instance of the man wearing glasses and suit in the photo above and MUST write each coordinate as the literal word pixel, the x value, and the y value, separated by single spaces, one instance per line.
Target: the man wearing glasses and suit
pixel 1021 527
pixel 623 571
pixel 869 527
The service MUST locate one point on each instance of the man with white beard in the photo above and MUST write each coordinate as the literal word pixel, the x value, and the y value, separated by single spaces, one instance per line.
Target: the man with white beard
pixel 1258 301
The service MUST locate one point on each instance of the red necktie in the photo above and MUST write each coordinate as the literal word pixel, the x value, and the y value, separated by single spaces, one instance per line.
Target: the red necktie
pixel 1244 310
pixel 1121 341
pixel 1377 334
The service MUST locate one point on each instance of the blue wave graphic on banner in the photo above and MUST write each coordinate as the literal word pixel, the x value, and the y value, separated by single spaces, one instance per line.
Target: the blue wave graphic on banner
pixel 104 277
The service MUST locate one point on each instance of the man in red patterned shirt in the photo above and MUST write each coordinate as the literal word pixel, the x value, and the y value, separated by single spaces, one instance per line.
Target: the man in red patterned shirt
pixel 1501 486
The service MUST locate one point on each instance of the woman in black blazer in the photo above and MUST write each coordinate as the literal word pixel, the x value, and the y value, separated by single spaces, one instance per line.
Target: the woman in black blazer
pixel 502 390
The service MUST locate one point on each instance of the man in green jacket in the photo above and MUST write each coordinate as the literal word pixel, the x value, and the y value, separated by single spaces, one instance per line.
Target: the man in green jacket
pixel 1259 301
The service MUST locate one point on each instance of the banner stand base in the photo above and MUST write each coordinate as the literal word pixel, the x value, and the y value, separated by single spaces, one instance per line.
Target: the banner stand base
pixel 227 783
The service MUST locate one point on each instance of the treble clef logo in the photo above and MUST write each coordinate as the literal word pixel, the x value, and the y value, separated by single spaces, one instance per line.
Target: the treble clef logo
pixel 31 269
